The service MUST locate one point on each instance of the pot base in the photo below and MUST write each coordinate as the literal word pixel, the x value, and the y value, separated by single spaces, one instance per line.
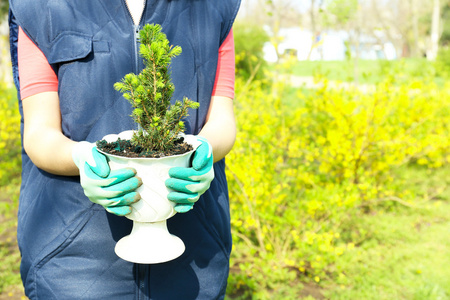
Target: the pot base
pixel 149 243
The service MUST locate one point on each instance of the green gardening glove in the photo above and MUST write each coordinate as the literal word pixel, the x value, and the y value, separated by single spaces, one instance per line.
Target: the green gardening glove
pixel 190 183
pixel 114 190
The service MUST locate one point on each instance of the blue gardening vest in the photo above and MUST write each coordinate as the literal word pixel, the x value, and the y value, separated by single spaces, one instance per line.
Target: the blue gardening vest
pixel 66 241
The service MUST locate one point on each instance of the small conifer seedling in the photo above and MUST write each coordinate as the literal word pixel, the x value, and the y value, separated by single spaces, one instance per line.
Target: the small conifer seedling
pixel 150 93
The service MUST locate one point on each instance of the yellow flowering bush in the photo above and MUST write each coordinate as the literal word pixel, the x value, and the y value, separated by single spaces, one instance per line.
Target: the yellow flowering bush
pixel 9 135
pixel 351 136
pixel 306 161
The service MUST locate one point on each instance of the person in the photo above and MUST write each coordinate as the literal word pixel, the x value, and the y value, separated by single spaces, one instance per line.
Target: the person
pixel 66 57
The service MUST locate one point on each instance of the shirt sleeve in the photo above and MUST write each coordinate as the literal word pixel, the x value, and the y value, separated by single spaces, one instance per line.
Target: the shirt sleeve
pixel 224 83
pixel 37 76
pixel 35 73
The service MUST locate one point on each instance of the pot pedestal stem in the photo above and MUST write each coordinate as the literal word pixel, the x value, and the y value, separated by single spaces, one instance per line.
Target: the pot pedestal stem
pixel 149 243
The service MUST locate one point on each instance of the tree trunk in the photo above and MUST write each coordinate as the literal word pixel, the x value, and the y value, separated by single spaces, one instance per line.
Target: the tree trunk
pixel 313 15
pixel 415 49
pixel 435 30
pixel 313 27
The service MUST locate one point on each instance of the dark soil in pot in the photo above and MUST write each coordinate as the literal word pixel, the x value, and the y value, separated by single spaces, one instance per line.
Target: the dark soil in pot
pixel 127 149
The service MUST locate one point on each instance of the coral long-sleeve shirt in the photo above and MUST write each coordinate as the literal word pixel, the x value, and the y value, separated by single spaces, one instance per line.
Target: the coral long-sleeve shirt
pixel 37 76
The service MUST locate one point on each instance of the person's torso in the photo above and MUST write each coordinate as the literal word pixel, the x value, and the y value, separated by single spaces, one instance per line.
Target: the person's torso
pixel 91 45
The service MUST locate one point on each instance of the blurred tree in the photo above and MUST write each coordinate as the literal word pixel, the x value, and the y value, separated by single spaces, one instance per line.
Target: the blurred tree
pixel 280 14
pixel 339 12
pixel 406 24
pixel 346 15
pixel 415 28
pixel 4 6
pixel 445 37
pixel 249 40
pixel 435 30
pixel 312 13
pixel 272 15
pixel 5 68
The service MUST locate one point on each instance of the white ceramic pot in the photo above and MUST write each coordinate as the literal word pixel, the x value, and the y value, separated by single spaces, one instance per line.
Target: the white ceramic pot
pixel 150 241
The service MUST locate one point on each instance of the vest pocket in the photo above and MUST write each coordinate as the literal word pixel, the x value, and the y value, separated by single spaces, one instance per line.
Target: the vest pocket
pixel 81 261
pixel 51 250
pixel 70 46
pixel 65 239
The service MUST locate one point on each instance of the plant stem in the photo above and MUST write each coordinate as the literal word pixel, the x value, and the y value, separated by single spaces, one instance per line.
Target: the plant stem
pixel 155 103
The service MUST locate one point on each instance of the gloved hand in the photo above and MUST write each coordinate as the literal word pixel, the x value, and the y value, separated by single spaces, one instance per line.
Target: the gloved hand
pixel 190 183
pixel 114 190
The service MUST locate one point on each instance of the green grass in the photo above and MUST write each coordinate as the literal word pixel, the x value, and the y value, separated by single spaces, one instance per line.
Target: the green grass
pixel 366 71
pixel 406 258
pixel 406 250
